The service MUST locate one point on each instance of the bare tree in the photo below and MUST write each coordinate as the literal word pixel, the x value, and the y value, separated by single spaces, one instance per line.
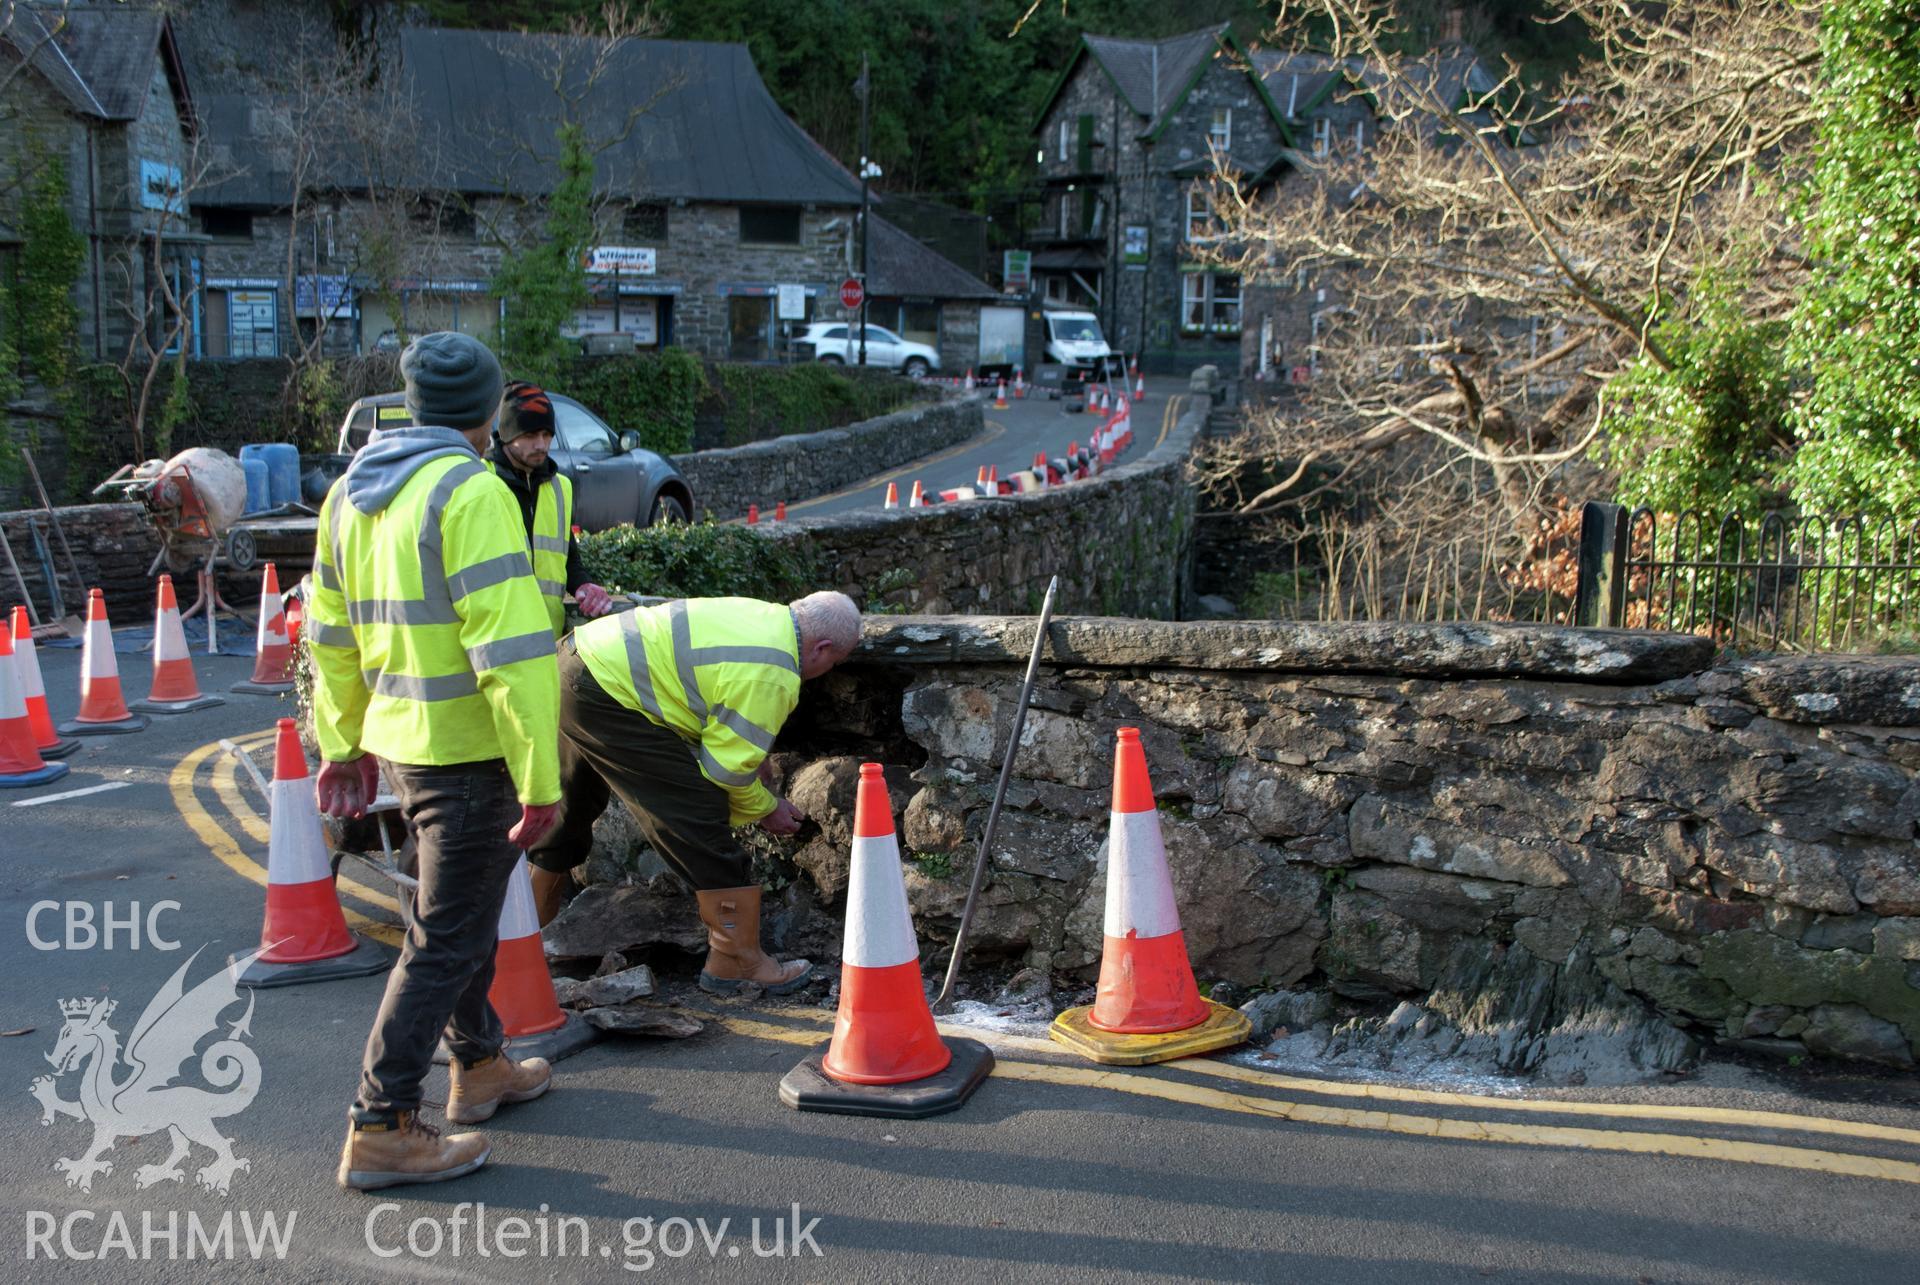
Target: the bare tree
pixel 1493 260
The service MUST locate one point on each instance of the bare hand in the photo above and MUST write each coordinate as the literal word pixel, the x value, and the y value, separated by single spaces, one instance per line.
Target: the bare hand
pixel 784 819
pixel 592 600
pixel 535 821
pixel 346 789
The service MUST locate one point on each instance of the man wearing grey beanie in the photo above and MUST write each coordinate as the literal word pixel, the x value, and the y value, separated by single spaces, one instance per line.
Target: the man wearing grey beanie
pixel 434 657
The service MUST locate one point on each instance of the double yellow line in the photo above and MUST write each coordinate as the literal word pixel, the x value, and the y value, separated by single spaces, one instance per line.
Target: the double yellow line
pixel 1178 1082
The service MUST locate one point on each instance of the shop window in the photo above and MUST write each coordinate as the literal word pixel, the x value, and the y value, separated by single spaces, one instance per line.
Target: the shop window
pixel 750 328
pixel 770 224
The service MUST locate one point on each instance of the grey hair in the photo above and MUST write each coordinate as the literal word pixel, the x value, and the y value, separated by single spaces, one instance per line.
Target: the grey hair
pixel 828 615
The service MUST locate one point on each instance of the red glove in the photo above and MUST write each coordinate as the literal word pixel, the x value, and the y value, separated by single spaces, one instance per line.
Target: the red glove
pixel 535 821
pixel 346 789
pixel 784 819
pixel 592 600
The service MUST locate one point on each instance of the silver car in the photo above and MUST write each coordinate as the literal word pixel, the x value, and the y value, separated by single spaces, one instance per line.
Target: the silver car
pixel 838 342
pixel 615 479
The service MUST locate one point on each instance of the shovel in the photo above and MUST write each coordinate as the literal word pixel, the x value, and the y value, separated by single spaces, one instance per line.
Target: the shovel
pixel 943 1003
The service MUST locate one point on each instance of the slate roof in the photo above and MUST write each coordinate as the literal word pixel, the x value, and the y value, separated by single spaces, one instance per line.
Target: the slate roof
pixel 710 131
pixel 898 266
pixel 98 58
pixel 1297 80
pixel 1153 74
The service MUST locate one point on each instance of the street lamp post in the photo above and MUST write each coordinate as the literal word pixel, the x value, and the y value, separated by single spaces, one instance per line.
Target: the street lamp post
pixel 865 90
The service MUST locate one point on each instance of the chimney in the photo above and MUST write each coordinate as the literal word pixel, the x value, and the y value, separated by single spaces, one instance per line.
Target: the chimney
pixel 1453 29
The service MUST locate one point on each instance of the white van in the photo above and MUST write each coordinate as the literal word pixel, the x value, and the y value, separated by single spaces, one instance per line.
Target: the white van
pixel 1074 341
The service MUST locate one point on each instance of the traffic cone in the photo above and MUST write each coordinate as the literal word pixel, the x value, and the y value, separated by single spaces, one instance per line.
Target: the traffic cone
pixel 20 761
pixel 1146 1007
pixel 1000 396
pixel 1139 385
pixel 273 650
pixel 304 936
pixel 522 990
pixel 893 495
pixel 1019 384
pixel 918 499
pixel 26 662
pixel 753 515
pixel 980 481
pixel 968 385
pixel 175 689
pixel 780 511
pixel 296 617
pixel 103 710
pixel 886 1058
pixel 993 479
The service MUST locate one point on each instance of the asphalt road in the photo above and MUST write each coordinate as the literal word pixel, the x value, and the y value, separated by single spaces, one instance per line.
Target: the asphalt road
pixel 1008 442
pixel 1055 1171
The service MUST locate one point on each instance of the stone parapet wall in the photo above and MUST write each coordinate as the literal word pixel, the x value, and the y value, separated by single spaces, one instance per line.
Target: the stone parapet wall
pixel 1401 811
pixel 801 466
pixel 113 545
pixel 1120 543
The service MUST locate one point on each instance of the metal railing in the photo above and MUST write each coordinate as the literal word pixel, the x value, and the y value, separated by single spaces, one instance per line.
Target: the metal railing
pixel 1782 582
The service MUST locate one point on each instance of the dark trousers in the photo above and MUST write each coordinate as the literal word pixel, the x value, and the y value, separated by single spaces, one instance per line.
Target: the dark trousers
pixel 608 749
pixel 459 816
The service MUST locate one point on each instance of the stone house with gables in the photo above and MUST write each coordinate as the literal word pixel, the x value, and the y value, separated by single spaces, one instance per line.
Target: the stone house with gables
pixel 1125 145
pixel 101 89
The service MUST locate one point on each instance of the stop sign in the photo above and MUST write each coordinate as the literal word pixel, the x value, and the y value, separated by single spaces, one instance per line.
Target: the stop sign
pixel 851 293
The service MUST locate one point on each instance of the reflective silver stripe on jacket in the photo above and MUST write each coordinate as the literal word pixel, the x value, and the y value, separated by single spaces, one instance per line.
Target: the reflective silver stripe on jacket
pixel 400 611
pixel 711 766
pixel 637 665
pixel 750 732
pixel 505 651
pixel 487 573
pixel 552 588
pixel 440 687
pixel 683 657
pixel 330 635
pixel 745 654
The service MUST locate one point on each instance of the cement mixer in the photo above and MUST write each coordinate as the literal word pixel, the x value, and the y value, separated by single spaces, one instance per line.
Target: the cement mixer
pixel 195 500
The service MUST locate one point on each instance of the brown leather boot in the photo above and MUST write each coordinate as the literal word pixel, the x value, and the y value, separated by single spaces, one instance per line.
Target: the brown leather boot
pixel 408 1150
pixel 549 891
pixel 479 1090
pixel 734 957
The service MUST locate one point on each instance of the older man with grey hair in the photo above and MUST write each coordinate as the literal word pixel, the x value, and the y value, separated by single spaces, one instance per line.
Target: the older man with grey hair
pixel 674 708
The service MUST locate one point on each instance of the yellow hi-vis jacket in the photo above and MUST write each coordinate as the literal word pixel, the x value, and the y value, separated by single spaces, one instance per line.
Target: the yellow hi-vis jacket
pixel 430 641
pixel 552 517
pixel 722 672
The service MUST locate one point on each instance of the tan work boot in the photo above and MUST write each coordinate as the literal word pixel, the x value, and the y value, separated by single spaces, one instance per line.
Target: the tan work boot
pixel 549 892
pixel 734 957
pixel 408 1150
pixel 479 1090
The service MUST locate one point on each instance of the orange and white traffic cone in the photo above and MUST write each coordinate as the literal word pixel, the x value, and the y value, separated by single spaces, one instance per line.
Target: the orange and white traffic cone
pixel 993 479
pixel 753 515
pixel 893 496
pixel 20 761
pixel 918 498
pixel 1000 396
pixel 26 666
pixel 968 382
pixel 103 710
pixel 273 650
pixel 886 1057
pixel 1040 467
pixel 522 990
pixel 304 936
pixel 1139 385
pixel 1019 384
pixel 175 689
pixel 1146 1007
pixel 980 481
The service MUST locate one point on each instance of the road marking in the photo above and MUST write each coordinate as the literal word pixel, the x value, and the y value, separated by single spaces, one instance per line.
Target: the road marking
pixel 226 786
pixel 1168 418
pixel 1675 1144
pixel 72 794
pixel 995 430
pixel 228 853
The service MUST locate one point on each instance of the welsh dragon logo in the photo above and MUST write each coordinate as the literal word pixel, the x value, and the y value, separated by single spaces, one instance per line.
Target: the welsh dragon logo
pixel 144 1100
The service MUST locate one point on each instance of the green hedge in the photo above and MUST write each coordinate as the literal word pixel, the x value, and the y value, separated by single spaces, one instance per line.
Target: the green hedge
pixel 653 396
pixel 754 403
pixel 699 560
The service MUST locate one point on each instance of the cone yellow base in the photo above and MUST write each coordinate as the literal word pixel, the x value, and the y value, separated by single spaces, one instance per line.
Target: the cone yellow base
pixel 1223 1028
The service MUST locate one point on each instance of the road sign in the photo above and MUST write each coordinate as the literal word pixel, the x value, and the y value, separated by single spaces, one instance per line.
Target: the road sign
pixel 852 294
pixel 637 259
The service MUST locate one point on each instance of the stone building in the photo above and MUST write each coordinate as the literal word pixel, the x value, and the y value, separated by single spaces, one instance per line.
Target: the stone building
pixel 100 89
pixel 924 297
pixel 1126 144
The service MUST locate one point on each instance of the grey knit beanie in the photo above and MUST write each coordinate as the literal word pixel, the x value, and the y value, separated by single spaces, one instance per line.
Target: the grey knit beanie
pixel 453 380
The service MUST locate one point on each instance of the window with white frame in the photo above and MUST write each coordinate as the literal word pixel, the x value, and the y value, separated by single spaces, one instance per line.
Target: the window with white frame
pixel 1063 140
pixel 1322 137
pixel 1220 134
pixel 1200 226
pixel 1209 303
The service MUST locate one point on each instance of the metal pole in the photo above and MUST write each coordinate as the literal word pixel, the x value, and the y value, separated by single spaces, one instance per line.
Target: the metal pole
pixel 54 519
pixel 943 1003
pixel 866 93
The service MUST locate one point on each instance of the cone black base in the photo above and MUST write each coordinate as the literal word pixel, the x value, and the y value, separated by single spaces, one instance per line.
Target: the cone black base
pixel 174 707
pixel 119 727
pixel 808 1087
pixel 39 776
pixel 560 1042
pixel 251 688
pixel 365 959
pixel 59 749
